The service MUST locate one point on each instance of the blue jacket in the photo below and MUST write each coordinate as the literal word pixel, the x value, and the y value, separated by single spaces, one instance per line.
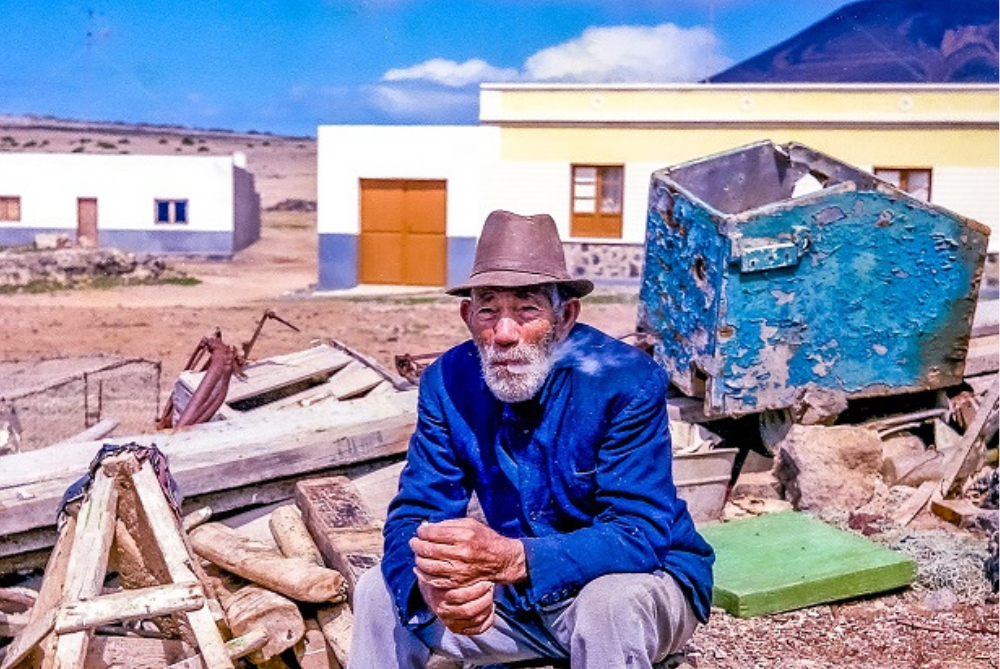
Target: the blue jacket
pixel 581 474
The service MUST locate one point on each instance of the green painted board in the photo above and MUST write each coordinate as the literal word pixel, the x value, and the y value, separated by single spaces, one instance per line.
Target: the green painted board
pixel 784 561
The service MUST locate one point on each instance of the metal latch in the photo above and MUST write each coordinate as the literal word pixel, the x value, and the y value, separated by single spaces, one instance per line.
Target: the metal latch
pixel 764 253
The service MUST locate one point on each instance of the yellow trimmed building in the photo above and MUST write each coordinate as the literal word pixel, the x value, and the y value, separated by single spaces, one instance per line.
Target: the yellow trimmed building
pixel 584 154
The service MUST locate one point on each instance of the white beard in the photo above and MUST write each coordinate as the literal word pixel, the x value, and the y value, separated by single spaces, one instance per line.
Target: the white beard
pixel 527 368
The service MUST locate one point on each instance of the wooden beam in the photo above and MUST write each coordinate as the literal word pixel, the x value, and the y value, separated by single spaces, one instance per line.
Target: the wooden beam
pixel 88 564
pixel 347 534
pixel 165 527
pixel 298 579
pixel 126 605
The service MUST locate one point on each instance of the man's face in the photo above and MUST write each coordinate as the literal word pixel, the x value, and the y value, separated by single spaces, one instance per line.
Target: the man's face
pixel 515 331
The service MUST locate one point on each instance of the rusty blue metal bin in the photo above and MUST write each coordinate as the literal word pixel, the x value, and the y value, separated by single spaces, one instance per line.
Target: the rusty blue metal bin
pixel 773 269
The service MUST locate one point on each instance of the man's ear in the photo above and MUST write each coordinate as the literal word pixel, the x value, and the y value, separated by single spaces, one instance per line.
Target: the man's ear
pixel 466 310
pixel 570 312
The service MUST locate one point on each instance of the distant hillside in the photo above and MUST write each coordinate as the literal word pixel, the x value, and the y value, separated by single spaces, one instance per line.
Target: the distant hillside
pixel 885 41
pixel 31 122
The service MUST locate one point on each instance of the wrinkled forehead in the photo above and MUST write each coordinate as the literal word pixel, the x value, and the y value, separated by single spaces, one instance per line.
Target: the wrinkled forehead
pixel 536 293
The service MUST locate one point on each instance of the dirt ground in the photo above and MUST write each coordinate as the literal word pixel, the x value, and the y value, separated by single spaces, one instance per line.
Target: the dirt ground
pixel 164 323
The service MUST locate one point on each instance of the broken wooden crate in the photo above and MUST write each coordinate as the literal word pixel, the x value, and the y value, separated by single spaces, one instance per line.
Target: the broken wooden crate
pixel 785 561
pixel 326 372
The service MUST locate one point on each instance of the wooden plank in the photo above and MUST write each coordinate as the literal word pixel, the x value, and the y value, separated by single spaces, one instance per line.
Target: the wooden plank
pixel 277 372
pixel 126 605
pixel 165 527
pixel 914 503
pixel 98 430
pixel 337 623
pixel 116 652
pixel 785 561
pixel 88 563
pixel 346 532
pixel 353 380
pixel 43 613
pixel 953 464
pixel 204 458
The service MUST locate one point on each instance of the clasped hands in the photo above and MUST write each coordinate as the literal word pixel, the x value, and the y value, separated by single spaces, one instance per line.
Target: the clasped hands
pixel 458 564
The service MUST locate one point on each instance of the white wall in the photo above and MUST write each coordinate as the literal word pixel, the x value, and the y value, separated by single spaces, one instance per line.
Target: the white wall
pixel 971 192
pixel 464 156
pixel 125 186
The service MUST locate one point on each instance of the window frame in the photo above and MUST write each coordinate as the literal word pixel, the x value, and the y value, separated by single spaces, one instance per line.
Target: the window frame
pixel 10 208
pixel 597 224
pixel 171 204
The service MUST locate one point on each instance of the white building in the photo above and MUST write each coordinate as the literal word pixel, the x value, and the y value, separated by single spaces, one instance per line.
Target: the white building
pixel 404 204
pixel 193 205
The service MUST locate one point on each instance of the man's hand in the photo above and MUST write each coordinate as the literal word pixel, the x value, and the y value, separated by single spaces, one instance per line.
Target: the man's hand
pixel 467 610
pixel 461 552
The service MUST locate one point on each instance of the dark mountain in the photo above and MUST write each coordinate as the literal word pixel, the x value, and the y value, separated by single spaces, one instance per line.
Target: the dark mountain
pixel 885 41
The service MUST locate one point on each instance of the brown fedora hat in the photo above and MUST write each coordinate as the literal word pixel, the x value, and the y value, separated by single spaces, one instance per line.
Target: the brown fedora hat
pixel 515 251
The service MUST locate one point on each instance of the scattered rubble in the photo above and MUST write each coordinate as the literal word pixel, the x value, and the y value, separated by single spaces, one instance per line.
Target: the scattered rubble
pixel 25 269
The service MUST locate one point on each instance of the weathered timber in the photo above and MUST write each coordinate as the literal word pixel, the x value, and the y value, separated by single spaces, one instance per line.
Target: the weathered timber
pixel 98 430
pixel 88 562
pixel 346 532
pixel 202 460
pixel 355 379
pixel 253 607
pixel 115 652
pixel 337 623
pixel 248 643
pixel 312 652
pixel 129 605
pixel 293 577
pixel 292 535
pixel 983 356
pixel 197 517
pixel 166 529
pixel 44 609
pixel 265 379
pixel 971 438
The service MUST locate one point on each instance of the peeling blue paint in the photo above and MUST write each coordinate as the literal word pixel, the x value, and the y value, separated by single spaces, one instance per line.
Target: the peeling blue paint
pixel 856 288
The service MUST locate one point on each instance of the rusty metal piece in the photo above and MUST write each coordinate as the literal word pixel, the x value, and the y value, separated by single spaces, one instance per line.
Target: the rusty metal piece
pixel 268 315
pixel 223 362
pixel 410 367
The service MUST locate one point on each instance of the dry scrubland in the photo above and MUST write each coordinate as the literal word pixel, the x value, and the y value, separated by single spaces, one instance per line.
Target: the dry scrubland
pixel 164 323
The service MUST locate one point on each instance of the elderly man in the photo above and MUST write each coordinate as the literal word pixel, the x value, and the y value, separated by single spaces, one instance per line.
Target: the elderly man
pixel 561 431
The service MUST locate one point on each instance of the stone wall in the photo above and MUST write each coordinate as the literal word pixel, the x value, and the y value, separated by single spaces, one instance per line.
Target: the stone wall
pixel 605 263
pixel 65 267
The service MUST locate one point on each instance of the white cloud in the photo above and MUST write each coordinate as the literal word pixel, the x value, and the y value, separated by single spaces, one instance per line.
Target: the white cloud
pixel 627 54
pixel 649 54
pixel 424 103
pixel 450 73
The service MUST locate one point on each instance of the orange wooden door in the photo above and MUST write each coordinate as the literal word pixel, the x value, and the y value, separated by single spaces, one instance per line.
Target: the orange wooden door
pixel 86 221
pixel 403 232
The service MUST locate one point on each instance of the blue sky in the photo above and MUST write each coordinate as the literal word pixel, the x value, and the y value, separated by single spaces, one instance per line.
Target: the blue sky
pixel 286 66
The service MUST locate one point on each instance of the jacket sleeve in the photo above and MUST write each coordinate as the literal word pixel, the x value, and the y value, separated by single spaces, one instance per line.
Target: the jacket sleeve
pixel 432 488
pixel 636 500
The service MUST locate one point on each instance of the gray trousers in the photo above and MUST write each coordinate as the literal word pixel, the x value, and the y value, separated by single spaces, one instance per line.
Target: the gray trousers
pixel 618 621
